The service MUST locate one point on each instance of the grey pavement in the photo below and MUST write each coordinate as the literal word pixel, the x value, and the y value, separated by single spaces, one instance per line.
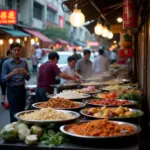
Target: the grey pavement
pixel 4 114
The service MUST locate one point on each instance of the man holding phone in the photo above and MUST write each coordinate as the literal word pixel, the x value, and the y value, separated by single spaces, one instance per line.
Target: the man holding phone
pixel 14 72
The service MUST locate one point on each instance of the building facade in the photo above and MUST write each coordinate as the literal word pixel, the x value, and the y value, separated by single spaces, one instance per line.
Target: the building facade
pixel 38 15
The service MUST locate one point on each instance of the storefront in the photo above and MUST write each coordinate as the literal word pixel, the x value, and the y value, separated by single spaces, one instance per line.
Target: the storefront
pixel 39 38
pixel 142 51
pixel 8 36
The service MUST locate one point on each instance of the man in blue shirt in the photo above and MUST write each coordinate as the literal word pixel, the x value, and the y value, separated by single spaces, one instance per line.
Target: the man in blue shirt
pixel 14 72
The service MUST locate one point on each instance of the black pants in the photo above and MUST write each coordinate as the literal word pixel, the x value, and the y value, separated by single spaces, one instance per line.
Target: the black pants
pixel 34 69
pixel 3 88
pixel 16 96
pixel 41 95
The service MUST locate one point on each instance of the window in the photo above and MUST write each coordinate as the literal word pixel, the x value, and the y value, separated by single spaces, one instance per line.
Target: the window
pixel 18 5
pixel 9 4
pixel 37 11
pixel 51 15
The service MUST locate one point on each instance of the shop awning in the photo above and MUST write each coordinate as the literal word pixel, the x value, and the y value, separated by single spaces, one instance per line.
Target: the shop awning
pixel 15 33
pixel 61 41
pixel 79 43
pixel 39 35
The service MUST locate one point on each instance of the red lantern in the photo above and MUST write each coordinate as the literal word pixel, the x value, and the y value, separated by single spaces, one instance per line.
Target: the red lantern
pixel 125 53
pixel 129 14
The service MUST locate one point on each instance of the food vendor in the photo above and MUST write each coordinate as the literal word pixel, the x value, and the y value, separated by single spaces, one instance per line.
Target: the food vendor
pixel 101 63
pixel 46 77
pixel 70 70
pixel 84 65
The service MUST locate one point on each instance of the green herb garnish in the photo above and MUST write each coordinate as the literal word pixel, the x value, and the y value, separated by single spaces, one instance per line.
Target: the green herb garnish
pixel 51 138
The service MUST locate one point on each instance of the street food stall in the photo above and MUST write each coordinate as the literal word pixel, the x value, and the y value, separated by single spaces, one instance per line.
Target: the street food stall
pixel 105 112
pixel 92 115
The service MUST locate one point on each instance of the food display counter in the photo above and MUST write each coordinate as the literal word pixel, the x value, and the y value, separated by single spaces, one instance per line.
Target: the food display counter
pixel 77 105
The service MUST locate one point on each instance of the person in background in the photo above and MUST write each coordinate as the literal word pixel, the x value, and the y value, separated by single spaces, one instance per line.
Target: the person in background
pixel 14 73
pixel 75 55
pixel 113 57
pixel 107 53
pixel 84 65
pixel 34 60
pixel 3 85
pixel 38 51
pixel 47 74
pixel 101 63
pixel 70 70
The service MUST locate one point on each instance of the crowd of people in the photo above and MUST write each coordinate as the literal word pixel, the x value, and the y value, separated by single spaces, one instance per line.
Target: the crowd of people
pixel 14 71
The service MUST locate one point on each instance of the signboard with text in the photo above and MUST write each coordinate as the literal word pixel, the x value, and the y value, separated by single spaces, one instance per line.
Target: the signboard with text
pixel 61 21
pixel 8 17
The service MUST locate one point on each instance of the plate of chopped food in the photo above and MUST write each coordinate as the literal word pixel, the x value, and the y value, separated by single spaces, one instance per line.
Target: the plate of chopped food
pixel 46 115
pixel 111 112
pixel 88 90
pixel 100 129
pixel 110 102
pixel 59 103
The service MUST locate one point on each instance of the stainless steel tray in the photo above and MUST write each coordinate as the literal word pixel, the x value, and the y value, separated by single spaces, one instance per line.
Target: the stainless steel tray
pixel 100 105
pixel 65 85
pixel 90 93
pixel 81 106
pixel 79 98
pixel 75 115
pixel 63 129
pixel 115 118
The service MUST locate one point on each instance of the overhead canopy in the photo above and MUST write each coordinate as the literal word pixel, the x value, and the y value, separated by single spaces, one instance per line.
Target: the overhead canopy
pixel 61 41
pixel 39 35
pixel 16 33
pixel 108 10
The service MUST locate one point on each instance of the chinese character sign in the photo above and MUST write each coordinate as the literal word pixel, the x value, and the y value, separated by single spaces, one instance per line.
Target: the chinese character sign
pixel 61 21
pixel 8 16
pixel 129 14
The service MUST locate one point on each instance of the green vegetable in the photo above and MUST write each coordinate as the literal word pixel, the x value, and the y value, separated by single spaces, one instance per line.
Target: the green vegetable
pixel 14 124
pixel 8 133
pixel 51 138
pixel 36 130
pixel 19 126
pixel 129 96
pixel 31 139
pixel 23 132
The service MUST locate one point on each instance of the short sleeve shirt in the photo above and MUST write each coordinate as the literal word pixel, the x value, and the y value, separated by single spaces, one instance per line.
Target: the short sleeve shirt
pixel 84 67
pixel 69 71
pixel 47 75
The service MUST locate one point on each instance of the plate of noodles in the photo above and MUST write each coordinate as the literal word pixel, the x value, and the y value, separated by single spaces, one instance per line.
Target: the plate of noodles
pixel 46 115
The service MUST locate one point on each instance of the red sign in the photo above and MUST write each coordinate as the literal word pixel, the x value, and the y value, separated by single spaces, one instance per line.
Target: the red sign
pixel 93 43
pixel 125 53
pixel 61 21
pixel 8 16
pixel 129 14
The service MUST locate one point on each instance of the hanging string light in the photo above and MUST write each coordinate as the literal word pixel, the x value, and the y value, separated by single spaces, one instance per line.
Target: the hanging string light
pixel 105 32
pixel 77 18
pixel 119 19
pixel 110 35
pixel 98 28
